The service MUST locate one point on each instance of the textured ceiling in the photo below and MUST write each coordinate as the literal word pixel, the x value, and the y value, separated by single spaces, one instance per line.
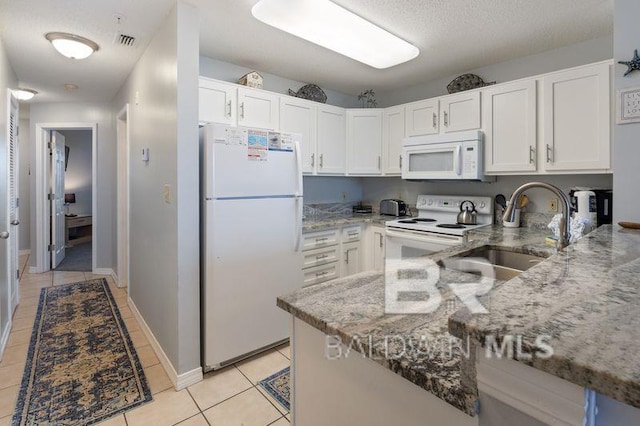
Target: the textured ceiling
pixel 452 35
pixel 23 24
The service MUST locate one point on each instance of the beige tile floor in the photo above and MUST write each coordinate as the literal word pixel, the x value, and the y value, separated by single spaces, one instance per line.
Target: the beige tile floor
pixel 227 397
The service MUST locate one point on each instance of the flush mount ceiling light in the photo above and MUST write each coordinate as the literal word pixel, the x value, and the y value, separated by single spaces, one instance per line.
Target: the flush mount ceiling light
pixel 71 45
pixel 24 94
pixel 329 25
pixel 70 87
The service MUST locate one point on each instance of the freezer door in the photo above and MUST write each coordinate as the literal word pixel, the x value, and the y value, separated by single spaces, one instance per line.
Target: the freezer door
pixel 234 169
pixel 250 260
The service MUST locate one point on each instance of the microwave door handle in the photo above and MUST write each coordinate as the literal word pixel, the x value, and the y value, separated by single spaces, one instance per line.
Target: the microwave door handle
pixel 457 160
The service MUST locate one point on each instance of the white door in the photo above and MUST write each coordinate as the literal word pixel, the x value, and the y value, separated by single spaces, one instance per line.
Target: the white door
pixel 299 116
pixel 332 140
pixel 364 141
pixel 216 102
pixel 393 132
pixel 509 117
pixel 57 199
pixel 577 119
pixel 257 108
pixel 460 112
pixel 12 141
pixel 422 118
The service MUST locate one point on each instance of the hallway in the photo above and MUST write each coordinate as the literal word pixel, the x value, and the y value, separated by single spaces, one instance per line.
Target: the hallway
pixel 230 396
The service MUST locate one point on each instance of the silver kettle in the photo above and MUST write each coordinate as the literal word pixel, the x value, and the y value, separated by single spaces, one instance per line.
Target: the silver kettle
pixel 466 216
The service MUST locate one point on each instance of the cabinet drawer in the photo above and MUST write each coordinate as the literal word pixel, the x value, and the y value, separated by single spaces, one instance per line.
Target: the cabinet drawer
pixel 320 274
pixel 320 256
pixel 351 233
pixel 312 240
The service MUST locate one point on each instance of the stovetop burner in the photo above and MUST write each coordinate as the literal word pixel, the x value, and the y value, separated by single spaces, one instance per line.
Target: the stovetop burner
pixel 451 226
pixel 424 219
pixel 408 221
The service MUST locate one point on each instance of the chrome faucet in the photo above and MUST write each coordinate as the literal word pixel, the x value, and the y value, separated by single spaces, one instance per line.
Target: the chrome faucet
pixel 565 221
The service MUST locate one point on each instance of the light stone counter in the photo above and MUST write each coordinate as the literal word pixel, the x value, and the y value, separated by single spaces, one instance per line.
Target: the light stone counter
pixel 587 299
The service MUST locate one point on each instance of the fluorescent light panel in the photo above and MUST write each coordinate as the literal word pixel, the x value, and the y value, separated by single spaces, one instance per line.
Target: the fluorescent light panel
pixel 329 25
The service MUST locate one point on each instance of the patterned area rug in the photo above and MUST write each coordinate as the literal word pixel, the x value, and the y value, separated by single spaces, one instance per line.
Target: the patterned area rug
pixel 81 366
pixel 278 387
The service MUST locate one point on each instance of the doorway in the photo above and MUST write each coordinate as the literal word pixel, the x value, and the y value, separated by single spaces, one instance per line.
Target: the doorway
pixel 48 230
pixel 123 196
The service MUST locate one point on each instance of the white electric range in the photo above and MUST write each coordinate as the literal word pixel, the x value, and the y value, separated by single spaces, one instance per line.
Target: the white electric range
pixel 435 227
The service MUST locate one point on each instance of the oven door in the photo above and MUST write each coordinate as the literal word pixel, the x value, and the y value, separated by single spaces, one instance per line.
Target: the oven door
pixel 406 244
pixel 432 161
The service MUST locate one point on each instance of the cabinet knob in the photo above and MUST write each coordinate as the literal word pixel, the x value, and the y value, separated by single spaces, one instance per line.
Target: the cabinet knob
pixel 4 235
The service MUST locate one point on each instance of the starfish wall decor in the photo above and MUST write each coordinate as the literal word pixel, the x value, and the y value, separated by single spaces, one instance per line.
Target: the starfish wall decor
pixel 632 65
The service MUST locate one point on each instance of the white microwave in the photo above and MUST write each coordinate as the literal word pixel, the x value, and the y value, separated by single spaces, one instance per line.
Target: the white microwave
pixel 452 156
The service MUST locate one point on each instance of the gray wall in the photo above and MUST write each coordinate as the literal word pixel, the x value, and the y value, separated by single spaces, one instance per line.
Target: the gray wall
pixel 225 71
pixel 573 55
pixel 8 80
pixel 85 112
pixel 626 147
pixel 77 177
pixel 164 236
pixel 24 186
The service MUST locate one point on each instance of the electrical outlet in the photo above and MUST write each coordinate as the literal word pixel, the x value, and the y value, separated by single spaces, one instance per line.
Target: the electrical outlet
pixel 552 205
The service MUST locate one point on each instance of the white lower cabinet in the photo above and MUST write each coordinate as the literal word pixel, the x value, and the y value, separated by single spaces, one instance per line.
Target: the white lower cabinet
pixel 331 253
pixel 374 247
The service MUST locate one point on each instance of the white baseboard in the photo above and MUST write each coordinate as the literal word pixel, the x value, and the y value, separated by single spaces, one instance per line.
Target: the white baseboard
pixel 103 271
pixel 179 381
pixel 27 251
pixel 4 339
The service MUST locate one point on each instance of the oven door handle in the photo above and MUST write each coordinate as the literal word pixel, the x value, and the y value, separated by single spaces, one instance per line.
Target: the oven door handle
pixel 444 239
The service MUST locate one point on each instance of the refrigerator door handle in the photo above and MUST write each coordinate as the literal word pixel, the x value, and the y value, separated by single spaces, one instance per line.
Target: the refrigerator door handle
pixel 298 227
pixel 298 169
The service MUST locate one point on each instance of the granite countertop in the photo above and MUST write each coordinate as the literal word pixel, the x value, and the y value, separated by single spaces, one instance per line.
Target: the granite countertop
pixel 586 299
pixel 332 220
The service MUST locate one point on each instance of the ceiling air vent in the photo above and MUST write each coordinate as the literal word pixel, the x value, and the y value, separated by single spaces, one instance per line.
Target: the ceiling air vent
pixel 125 40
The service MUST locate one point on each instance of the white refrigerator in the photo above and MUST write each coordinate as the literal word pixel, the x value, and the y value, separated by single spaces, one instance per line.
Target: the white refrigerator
pixel 251 230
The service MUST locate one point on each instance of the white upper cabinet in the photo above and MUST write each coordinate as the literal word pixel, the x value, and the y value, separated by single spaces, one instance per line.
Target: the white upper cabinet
pixel 422 117
pixel 460 112
pixel 257 108
pixel 509 124
pixel 299 116
pixel 576 105
pixel 332 144
pixel 393 128
pixel 216 102
pixel 364 141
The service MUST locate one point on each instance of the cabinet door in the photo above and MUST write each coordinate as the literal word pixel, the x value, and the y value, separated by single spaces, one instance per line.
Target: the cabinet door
pixel 299 116
pixel 460 112
pixel 257 108
pixel 350 258
pixel 422 118
pixel 576 109
pixel 216 102
pixel 509 123
pixel 332 140
pixel 364 141
pixel 393 126
pixel 377 248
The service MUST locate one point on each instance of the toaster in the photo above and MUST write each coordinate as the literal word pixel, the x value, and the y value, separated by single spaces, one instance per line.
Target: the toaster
pixel 393 207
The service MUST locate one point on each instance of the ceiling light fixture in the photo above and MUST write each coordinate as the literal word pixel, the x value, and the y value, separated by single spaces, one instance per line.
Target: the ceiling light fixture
pixel 24 94
pixel 71 45
pixel 70 87
pixel 329 25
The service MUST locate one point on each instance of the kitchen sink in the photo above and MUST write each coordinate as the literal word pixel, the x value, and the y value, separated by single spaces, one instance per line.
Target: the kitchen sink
pixel 506 264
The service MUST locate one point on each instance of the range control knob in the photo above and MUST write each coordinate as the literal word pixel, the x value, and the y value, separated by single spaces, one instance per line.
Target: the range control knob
pixel 430 202
pixel 422 202
pixel 482 204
